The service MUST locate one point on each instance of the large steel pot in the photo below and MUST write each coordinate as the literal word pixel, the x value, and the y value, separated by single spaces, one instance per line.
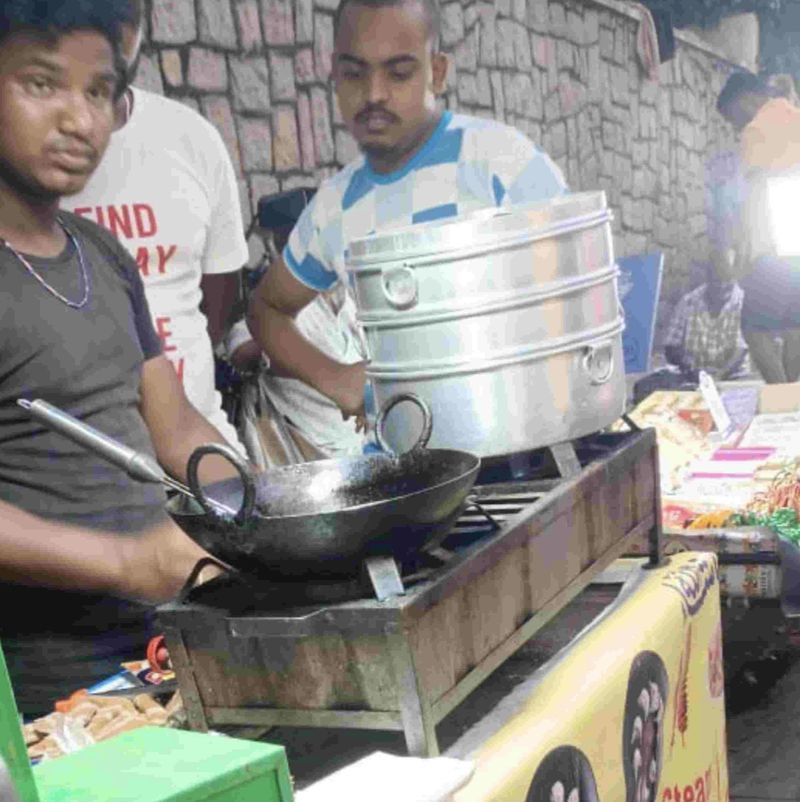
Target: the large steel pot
pixel 507 322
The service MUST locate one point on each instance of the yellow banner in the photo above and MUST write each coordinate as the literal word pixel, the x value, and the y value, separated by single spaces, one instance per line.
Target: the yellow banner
pixel 632 710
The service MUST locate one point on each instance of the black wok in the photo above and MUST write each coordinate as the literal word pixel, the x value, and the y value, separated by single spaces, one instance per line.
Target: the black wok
pixel 323 518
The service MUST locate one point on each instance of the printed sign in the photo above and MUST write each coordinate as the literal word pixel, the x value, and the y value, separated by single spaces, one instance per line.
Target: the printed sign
pixel 633 710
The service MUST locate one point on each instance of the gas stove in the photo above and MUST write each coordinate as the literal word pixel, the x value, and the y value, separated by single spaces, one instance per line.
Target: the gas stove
pixel 399 646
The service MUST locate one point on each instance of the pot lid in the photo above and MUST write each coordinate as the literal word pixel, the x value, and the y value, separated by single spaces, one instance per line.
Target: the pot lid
pixel 492 225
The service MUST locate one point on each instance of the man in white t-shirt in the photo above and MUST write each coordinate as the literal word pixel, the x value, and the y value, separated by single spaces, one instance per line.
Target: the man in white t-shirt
pixel 167 190
pixel 419 164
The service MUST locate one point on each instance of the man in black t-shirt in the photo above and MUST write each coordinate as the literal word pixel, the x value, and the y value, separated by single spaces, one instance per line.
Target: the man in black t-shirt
pixel 77 536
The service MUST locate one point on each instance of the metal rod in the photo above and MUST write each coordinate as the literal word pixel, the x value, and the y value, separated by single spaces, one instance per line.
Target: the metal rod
pixel 141 467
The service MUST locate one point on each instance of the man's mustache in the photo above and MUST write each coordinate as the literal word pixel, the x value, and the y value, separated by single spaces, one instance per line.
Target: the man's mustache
pixel 368 111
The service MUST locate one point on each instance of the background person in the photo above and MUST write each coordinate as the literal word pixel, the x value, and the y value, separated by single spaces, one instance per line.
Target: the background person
pixel 418 164
pixel 769 129
pixel 705 331
pixel 167 190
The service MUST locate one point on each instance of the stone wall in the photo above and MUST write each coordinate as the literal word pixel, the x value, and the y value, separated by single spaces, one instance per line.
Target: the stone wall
pixel 563 71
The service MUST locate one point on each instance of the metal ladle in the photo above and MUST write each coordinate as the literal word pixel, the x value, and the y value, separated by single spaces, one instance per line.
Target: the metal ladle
pixel 141 467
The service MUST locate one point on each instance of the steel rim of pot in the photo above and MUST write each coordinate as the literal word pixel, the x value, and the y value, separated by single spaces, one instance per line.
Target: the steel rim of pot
pixel 490 224
pixel 521 354
pixel 502 303
pixel 362 265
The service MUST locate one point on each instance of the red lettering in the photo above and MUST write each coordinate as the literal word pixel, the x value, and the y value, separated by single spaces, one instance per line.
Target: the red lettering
pixel 83 211
pixel 164 333
pixel 145 220
pixel 700 790
pixel 100 217
pixel 164 255
pixel 143 260
pixel 179 368
pixel 119 220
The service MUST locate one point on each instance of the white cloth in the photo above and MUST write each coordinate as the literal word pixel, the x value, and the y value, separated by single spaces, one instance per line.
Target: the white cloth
pixel 166 189
pixel 329 322
pixel 390 778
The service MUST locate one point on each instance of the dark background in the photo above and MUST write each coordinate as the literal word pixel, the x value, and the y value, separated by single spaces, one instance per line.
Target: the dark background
pixel 779 19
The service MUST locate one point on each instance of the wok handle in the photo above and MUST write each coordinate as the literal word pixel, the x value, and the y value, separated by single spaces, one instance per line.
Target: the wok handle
pixel 249 498
pixel 427 420
pixel 199 567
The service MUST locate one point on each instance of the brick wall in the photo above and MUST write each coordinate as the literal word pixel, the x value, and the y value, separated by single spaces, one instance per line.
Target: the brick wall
pixel 563 71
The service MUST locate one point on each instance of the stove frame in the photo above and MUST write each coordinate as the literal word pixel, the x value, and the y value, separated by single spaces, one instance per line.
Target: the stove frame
pixel 404 663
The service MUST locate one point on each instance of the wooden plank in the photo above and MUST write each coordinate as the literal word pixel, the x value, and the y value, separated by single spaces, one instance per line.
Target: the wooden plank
pixel 596 477
pixel 274 717
pixel 491 662
pixel 315 673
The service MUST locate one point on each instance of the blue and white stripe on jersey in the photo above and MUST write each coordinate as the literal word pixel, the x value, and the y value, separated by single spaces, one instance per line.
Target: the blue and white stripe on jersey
pixel 467 164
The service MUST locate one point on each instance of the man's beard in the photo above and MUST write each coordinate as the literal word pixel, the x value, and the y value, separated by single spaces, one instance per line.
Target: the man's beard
pixel 376 149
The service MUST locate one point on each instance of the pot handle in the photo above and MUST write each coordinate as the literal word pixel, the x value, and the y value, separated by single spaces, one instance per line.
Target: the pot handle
pixel 598 362
pixel 427 421
pixel 245 472
pixel 399 286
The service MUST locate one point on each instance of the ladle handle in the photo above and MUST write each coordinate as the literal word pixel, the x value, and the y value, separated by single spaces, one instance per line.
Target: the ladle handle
pixel 137 465
pixel 245 472
pixel 427 421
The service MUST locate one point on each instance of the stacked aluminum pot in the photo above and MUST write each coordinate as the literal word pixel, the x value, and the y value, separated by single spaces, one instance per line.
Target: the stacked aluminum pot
pixel 507 322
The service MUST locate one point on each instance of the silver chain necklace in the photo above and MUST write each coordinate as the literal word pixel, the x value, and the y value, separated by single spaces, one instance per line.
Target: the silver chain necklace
pixel 84 273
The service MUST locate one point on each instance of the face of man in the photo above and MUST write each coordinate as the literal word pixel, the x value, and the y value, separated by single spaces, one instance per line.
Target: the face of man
pixel 718 293
pixel 56 111
pixel 387 79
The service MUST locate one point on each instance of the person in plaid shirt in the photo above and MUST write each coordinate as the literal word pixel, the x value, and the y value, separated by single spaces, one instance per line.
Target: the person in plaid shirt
pixel 705 333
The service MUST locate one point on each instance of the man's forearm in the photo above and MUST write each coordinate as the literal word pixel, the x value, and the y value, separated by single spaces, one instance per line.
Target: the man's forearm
pixel 195 431
pixel 44 553
pixel 151 566
pixel 289 352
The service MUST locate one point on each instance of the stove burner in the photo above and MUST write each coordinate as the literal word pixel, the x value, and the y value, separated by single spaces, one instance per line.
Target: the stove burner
pixel 541 463
pixel 240 595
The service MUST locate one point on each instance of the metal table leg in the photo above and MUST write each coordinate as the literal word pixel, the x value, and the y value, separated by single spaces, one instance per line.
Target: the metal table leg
pixel 190 693
pixel 566 459
pixel 419 725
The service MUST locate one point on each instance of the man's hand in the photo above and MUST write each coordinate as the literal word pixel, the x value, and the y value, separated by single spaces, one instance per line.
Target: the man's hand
pixel 348 392
pixel 247 357
pixel 274 306
pixel 157 564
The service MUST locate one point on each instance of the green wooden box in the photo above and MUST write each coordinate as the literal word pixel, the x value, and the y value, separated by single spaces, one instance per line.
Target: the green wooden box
pixel 13 755
pixel 154 764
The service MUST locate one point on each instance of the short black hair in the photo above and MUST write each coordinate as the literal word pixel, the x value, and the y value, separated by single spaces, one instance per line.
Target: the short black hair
pixel 433 15
pixel 134 13
pixel 53 18
pixel 741 83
